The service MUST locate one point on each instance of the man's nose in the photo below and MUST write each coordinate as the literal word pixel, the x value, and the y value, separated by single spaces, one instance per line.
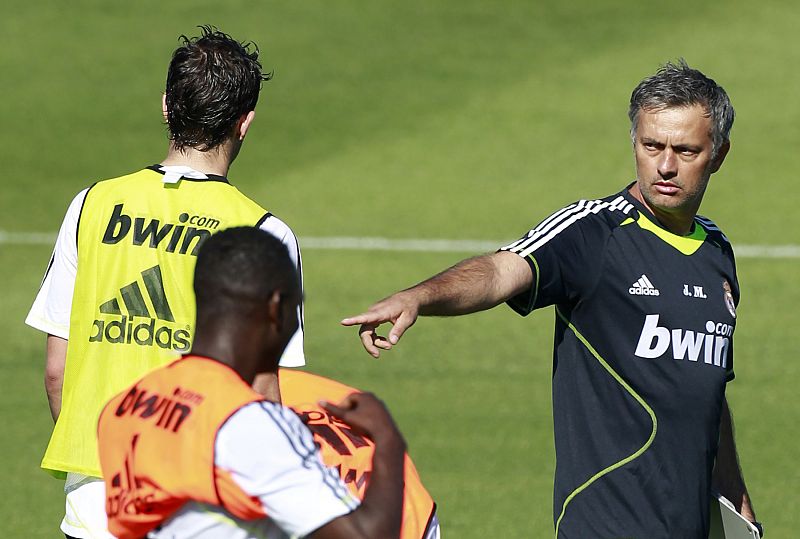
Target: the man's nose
pixel 668 164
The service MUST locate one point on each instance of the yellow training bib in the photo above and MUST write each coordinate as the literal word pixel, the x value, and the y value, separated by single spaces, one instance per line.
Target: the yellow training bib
pixel 133 306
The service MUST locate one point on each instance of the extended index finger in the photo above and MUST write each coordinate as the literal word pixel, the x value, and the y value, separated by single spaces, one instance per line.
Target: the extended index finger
pixel 377 314
pixel 369 317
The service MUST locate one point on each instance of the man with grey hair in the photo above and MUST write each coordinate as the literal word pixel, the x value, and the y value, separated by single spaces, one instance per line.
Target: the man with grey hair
pixel 645 294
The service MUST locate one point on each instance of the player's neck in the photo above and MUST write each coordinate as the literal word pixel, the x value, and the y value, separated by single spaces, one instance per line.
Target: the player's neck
pixel 267 384
pixel 245 347
pixel 215 161
pixel 680 224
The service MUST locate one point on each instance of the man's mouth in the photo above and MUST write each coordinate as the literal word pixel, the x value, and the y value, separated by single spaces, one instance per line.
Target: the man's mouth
pixel 666 188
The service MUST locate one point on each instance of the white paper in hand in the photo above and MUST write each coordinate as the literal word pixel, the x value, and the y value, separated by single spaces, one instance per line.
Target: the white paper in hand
pixel 726 523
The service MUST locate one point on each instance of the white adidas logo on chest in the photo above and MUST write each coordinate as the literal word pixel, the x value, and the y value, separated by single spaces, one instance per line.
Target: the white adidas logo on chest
pixel 643 287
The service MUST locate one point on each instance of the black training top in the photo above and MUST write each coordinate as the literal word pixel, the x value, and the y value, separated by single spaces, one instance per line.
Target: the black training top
pixel 642 352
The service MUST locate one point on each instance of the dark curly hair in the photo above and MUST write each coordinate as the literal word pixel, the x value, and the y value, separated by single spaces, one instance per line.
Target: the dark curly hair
pixel 213 80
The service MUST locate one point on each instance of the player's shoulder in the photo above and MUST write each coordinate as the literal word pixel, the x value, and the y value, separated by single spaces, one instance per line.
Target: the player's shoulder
pixel 266 424
pixel 713 232
pixel 608 212
pixel 264 414
pixel 278 228
pixel 303 388
pixel 710 226
pixel 113 186
pixel 585 221
pixel 110 182
pixel 74 208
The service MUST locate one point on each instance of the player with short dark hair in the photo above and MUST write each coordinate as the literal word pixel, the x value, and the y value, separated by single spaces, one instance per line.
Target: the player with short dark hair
pixel 213 80
pixel 678 85
pixel 192 451
pixel 645 294
pixel 119 282
pixel 229 285
pixel 229 276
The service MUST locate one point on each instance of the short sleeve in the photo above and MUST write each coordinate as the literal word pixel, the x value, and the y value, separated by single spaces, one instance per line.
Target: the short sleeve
pixel 51 309
pixel 293 355
pixel 271 455
pixel 565 253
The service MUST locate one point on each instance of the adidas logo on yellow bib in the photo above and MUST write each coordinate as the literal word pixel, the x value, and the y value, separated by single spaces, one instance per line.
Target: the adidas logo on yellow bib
pixel 121 328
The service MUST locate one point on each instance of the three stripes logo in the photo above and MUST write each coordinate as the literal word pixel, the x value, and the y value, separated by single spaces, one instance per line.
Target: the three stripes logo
pixel 131 494
pixel 643 287
pixel 123 329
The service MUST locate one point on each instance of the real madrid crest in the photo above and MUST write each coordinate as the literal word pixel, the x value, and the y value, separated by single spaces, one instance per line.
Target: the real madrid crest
pixel 728 298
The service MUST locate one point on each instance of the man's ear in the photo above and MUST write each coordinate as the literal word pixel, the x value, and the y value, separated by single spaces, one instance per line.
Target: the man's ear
pixel 275 310
pixel 721 153
pixel 244 124
pixel 164 106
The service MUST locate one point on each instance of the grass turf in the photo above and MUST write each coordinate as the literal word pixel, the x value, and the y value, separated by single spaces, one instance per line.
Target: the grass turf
pixel 452 119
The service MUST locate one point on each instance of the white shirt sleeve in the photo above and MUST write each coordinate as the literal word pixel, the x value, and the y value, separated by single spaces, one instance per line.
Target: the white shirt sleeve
pixel 51 309
pixel 293 356
pixel 271 455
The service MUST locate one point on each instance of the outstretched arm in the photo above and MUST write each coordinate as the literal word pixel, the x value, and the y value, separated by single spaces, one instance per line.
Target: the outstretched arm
pixel 475 284
pixel 727 479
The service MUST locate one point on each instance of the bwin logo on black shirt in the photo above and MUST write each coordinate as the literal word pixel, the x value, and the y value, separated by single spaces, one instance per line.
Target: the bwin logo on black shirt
pixel 180 236
pixel 655 341
pixel 123 330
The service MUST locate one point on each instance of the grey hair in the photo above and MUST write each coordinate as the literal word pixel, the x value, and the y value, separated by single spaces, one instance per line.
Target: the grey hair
pixel 678 85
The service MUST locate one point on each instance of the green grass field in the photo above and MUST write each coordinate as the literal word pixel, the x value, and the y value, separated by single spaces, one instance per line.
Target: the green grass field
pixel 453 119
